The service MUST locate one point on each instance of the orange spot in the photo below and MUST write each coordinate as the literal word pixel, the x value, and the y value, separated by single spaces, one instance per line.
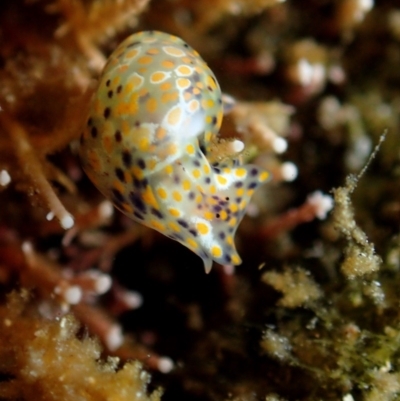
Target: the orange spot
pixel 166 86
pixel 173 51
pixel 123 68
pixel 168 64
pixel 119 186
pixel 184 70
pixel 160 133
pixel 193 105
pixel 131 53
pixel 187 96
pixel 144 144
pixel 125 127
pixel 186 60
pixel 157 77
pixel 174 115
pixel 127 177
pixel 137 172
pixel 116 80
pixel 149 198
pixel 196 91
pixel 169 97
pixel 157 225
pixel 94 160
pixel 153 51
pixel 171 149
pixel 127 208
pixel 151 105
pixel 145 60
pixel 151 164
pixel 108 144
pixel 200 85
pixel 182 83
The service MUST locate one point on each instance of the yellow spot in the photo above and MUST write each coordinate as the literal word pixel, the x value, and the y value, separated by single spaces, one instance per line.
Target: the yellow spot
pixel 221 180
pixel 186 185
pixel 242 204
pixel 166 86
pixel 173 226
pixel 174 212
pixel 229 240
pixel 234 207
pixel 240 172
pixel 190 149
pixel 211 82
pixel 250 192
pixel 264 176
pixel 184 70
pixel 216 251
pixel 196 173
pixel 208 136
pixel 182 83
pixel 186 96
pixel 173 51
pixel 208 216
pixel 233 221
pixel 236 260
pixel 151 105
pixel 213 190
pixel 137 172
pixel 149 198
pixel 196 91
pixel 240 192
pixel 206 169
pixel 199 199
pixel 145 60
pixel 144 144
pixel 208 119
pixel 191 242
pixel 202 228
pixel 174 115
pixel 168 169
pixel 177 196
pixel 157 225
pixel 200 85
pixel 207 103
pixel 168 64
pixel 223 215
pixel 162 193
pixel 119 186
pixel 187 60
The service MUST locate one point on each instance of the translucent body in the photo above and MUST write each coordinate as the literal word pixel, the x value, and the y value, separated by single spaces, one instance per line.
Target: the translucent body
pixel 156 110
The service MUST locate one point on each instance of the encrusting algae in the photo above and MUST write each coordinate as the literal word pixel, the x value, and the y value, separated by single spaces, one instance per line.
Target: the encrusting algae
pixel 90 296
